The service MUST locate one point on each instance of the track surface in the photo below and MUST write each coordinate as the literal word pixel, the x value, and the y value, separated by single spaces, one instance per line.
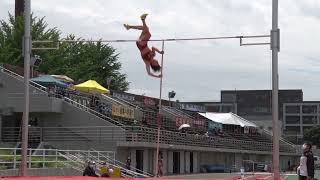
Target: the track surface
pixel 255 177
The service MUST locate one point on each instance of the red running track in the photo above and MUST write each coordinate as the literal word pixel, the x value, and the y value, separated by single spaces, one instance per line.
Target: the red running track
pixel 94 178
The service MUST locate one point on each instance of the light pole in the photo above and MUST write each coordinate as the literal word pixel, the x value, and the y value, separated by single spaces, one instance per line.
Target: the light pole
pixel 108 80
pixel 35 62
pixel 275 48
pixel 25 117
pixel 171 95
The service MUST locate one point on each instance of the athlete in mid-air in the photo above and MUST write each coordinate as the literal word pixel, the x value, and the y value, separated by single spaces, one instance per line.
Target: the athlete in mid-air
pixel 147 54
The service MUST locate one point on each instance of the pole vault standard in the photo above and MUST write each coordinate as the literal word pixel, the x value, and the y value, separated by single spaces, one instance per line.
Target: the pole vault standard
pixel 241 43
pixel 275 48
pixel 274 44
pixel 159 115
pixel 241 38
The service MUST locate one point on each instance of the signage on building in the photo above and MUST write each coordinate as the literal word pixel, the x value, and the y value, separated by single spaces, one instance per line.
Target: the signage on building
pixel 193 107
pixel 123 96
pixel 149 101
pixel 183 120
pixel 122 111
pixel 198 122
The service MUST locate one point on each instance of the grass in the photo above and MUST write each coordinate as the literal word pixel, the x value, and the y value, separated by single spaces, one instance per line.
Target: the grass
pixel 36 160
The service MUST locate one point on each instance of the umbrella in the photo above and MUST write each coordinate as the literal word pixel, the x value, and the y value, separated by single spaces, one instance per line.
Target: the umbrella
pixel 91 86
pixel 63 78
pixel 48 80
pixel 184 126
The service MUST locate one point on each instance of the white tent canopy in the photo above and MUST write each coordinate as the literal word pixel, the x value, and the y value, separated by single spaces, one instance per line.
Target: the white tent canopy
pixel 227 118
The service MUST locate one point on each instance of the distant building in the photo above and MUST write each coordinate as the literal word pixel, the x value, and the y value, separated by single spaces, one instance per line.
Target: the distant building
pixel 299 117
pixel 254 105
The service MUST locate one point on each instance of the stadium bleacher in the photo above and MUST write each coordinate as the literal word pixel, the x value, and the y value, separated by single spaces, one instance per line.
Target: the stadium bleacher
pixel 138 116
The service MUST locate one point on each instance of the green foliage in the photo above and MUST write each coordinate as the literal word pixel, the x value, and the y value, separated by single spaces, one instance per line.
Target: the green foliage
pixel 313 135
pixel 78 60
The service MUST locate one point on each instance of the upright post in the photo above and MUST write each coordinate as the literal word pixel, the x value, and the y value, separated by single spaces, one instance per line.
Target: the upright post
pixel 25 116
pixel 159 113
pixel 275 47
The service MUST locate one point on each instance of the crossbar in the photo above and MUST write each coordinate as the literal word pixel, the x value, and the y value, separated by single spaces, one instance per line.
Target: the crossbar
pixel 169 39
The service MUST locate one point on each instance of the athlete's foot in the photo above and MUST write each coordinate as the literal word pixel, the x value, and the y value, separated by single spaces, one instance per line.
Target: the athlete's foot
pixel 143 16
pixel 126 26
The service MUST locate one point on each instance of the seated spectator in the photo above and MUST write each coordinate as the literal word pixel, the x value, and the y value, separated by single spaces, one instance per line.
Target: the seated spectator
pixel 104 170
pixel 128 163
pixel 207 134
pixel 90 170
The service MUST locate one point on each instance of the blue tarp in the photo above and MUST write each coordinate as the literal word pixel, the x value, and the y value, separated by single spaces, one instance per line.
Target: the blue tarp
pixel 48 80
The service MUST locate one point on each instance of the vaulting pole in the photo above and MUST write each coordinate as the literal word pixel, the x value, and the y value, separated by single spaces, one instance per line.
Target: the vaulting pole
pixel 159 114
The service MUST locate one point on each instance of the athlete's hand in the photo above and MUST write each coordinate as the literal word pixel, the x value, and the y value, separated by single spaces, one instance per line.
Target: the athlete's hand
pixel 159 76
pixel 161 52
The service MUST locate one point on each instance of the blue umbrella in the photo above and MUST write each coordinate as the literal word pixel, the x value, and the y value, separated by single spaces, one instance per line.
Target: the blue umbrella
pixel 48 80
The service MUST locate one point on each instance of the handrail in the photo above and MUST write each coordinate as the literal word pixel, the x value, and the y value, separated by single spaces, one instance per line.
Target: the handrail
pixel 281 139
pixel 182 112
pixel 143 134
pixel 123 164
pixel 68 100
pixel 133 173
pixel 111 99
pixel 131 104
pixel 48 156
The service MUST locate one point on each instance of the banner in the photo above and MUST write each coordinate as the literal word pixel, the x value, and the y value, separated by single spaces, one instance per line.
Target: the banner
pixel 193 107
pixel 121 111
pixel 123 96
pixel 183 120
pixel 199 123
pixel 149 101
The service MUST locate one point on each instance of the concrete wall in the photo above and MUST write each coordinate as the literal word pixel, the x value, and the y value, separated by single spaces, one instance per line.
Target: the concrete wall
pixel 73 116
pixel 12 95
pixel 38 103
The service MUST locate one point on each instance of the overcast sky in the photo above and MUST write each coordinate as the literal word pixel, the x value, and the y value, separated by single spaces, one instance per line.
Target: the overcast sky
pixel 198 70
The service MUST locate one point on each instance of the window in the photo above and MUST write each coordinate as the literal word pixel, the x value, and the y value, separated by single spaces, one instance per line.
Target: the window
pixel 309 120
pixel 292 119
pixel 293 109
pixel 309 109
pixel 213 108
pixel 226 109
pixel 292 130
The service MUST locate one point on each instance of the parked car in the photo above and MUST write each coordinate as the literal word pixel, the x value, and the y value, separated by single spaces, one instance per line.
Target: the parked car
pixel 219 168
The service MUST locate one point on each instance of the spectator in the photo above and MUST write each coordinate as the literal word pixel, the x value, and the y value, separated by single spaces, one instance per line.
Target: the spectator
pixel 104 171
pixel 160 166
pixel 128 163
pixel 306 168
pixel 90 170
pixel 207 134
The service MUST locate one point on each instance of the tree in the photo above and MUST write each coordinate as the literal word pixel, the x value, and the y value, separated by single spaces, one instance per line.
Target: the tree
pixel 78 60
pixel 313 135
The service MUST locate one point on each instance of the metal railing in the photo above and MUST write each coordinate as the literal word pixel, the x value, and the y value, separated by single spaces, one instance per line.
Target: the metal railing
pixel 124 101
pixel 44 158
pixel 142 134
pixel 132 172
pixel 21 78
pixel 47 134
pixel 97 114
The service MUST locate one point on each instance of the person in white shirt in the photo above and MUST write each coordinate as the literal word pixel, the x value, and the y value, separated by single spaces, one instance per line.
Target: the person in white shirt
pixel 306 167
